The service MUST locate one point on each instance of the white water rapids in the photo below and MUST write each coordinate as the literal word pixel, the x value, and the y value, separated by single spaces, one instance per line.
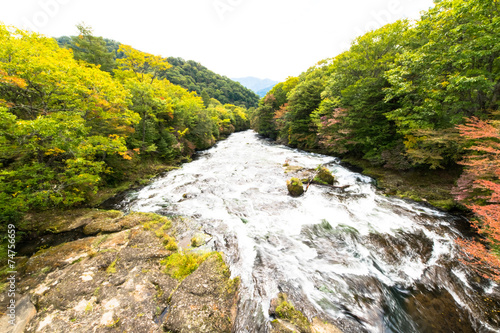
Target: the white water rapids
pixel 353 257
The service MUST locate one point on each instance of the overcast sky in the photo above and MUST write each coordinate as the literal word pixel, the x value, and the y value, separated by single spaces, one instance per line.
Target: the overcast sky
pixel 262 38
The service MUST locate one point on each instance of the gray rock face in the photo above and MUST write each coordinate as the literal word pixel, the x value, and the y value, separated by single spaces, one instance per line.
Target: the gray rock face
pixel 116 283
pixel 206 301
pixel 25 311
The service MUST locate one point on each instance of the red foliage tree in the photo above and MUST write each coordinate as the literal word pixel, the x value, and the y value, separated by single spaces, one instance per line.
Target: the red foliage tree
pixel 333 132
pixel 479 189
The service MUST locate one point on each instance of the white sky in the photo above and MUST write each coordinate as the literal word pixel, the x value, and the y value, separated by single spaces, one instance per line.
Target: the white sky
pixel 262 38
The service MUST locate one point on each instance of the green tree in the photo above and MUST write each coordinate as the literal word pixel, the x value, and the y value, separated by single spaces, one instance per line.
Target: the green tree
pixel 354 96
pixel 139 72
pixel 448 70
pixel 92 49
pixel 264 117
pixel 205 97
pixel 303 100
pixel 60 121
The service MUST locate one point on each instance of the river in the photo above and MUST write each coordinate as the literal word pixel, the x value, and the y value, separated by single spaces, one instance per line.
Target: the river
pixel 351 256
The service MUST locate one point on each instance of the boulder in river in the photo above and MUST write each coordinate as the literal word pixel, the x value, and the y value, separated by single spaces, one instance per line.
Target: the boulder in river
pixel 324 176
pixel 295 187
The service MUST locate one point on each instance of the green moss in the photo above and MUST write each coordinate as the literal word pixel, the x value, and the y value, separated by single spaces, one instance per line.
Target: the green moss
pixel 77 261
pixel 167 240
pixel 181 265
pixel 289 168
pixel 89 307
pixel 233 285
pixel 326 225
pixel 149 221
pixel 324 176
pixel 112 267
pixel 196 241
pixel 159 292
pixel 319 181
pixel 343 228
pixel 446 204
pixel 285 310
pixel 170 243
pixel 224 270
pixel 295 187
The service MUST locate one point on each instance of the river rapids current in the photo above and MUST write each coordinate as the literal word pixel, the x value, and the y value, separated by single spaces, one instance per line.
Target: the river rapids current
pixel 351 256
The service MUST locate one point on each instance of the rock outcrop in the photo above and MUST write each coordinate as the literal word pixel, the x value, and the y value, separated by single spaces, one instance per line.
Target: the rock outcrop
pixel 114 281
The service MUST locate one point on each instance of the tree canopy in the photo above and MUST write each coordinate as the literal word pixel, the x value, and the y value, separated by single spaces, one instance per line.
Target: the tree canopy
pixel 67 125
pixel 189 74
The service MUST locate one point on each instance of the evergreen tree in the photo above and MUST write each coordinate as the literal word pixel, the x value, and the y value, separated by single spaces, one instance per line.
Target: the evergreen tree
pixel 92 49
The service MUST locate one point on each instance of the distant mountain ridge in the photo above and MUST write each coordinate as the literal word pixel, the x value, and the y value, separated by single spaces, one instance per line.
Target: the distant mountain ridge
pixel 259 86
pixel 263 92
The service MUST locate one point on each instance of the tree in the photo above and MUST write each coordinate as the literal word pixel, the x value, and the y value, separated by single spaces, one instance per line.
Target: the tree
pixel 479 189
pixel 139 72
pixel 92 49
pixel 447 70
pixel 205 97
pixel 303 100
pixel 264 115
pixel 353 102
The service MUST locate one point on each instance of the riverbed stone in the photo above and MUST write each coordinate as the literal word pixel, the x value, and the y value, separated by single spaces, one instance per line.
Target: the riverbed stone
pixel 58 222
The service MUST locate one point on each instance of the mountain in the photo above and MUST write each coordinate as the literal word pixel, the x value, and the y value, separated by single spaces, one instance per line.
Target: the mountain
pixel 196 77
pixel 256 84
pixel 263 92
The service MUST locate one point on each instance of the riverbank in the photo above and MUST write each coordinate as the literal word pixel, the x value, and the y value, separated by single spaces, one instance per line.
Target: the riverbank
pixel 421 185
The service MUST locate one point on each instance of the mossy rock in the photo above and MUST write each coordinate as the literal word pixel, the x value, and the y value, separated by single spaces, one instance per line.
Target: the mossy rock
pixel 292 168
pixel 324 176
pixel 295 187
pixel 205 301
pixel 288 319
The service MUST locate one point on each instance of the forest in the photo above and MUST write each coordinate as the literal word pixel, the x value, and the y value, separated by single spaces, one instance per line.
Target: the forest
pixel 77 121
pixel 189 74
pixel 410 96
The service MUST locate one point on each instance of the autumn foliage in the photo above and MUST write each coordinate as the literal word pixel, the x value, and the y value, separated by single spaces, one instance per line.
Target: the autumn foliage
pixel 479 189
pixel 68 128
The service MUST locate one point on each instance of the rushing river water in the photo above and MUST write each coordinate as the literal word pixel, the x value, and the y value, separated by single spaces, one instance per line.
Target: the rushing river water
pixel 351 256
